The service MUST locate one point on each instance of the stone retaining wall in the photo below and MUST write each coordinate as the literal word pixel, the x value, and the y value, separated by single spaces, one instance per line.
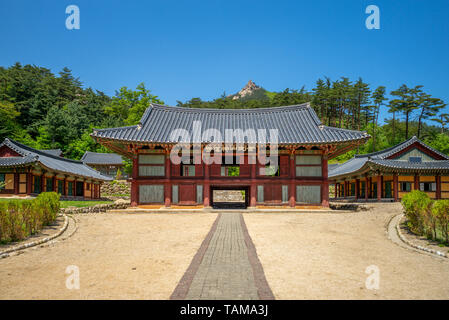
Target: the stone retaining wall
pixel 115 187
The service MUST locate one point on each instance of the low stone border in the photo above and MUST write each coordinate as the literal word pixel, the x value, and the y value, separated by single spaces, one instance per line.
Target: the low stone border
pixel 411 244
pixel 97 208
pixel 6 253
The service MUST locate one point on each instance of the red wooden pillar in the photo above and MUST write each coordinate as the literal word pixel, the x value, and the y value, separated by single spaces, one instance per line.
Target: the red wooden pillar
pixel 99 190
pixel 134 186
pixel 395 187
pixel 64 186
pixel 16 183
pixel 438 186
pixel 42 182
pixel 167 185
pixel 84 189
pixel 54 183
pixel 75 181
pixel 379 187
pixel 206 188
pixel 416 181
pixel 347 189
pixel 253 188
pixel 325 184
pixel 29 182
pixel 366 187
pixel 291 188
pixel 336 190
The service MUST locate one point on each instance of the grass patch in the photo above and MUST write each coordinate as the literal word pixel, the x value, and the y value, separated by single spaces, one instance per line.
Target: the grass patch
pixel 80 204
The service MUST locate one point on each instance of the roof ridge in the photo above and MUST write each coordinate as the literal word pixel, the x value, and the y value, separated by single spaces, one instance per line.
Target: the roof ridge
pixel 245 110
pixel 37 151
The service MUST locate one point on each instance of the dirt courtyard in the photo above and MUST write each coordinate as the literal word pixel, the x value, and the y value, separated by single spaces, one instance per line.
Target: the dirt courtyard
pixel 120 256
pixel 325 256
pixel 304 256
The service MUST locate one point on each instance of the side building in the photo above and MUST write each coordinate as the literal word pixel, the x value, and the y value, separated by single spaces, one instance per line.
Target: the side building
pixel 304 146
pixel 27 171
pixel 107 164
pixel 391 173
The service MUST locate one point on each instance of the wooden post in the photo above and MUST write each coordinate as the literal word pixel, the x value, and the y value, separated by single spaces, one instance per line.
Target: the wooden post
pixel 325 184
pixel 206 187
pixel 54 183
pixel 64 186
pixel 74 188
pixel 438 186
pixel 416 181
pixel 395 187
pixel 29 183
pixel 336 190
pixel 42 182
pixel 291 189
pixel 167 185
pixel 357 188
pixel 379 187
pixel 134 186
pixel 253 187
pixel 366 187
pixel 16 183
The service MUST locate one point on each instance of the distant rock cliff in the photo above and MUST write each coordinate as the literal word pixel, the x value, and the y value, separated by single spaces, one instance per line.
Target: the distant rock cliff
pixel 250 91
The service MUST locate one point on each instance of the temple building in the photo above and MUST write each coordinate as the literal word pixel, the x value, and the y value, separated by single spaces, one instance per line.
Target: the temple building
pixel 391 173
pixel 108 164
pixel 25 171
pixel 304 146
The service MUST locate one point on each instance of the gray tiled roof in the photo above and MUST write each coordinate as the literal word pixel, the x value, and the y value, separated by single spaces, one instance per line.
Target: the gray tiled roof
pixel 349 166
pixel 426 165
pixel 58 164
pixel 296 124
pixel 17 161
pixel 101 158
pixel 55 152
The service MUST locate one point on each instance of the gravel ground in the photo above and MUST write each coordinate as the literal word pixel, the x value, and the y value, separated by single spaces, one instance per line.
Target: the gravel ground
pixel 120 256
pixel 325 256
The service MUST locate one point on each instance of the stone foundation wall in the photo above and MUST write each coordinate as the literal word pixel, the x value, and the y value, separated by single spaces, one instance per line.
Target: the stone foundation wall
pixel 116 187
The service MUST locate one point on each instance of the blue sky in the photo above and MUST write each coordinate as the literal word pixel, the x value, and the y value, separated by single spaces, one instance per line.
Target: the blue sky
pixel 184 49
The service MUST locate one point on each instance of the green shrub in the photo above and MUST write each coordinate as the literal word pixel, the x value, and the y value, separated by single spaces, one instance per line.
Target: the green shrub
pixel 440 211
pixel 21 218
pixel 118 175
pixel 417 205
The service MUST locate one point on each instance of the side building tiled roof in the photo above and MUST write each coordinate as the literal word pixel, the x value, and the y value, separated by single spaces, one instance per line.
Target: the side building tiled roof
pixel 30 155
pixel 295 124
pixel 382 160
pixel 91 158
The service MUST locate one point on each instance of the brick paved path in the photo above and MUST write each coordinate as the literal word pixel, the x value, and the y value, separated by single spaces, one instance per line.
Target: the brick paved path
pixel 226 266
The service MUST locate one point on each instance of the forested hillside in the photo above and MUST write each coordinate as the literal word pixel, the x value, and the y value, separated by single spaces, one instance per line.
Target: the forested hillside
pixel 45 110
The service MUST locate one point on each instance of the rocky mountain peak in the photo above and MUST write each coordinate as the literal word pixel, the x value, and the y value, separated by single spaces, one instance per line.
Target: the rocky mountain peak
pixel 248 89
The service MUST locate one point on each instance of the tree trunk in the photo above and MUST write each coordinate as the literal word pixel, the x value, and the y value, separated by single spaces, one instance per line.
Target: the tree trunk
pixel 420 122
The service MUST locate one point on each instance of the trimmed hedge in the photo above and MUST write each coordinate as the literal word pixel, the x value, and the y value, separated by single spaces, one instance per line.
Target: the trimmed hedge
pixel 21 218
pixel 427 217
